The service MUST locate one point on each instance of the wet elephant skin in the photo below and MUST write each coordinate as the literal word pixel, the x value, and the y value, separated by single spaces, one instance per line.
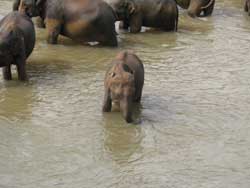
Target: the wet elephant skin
pixel 80 20
pixel 161 14
pixel 123 83
pixel 17 40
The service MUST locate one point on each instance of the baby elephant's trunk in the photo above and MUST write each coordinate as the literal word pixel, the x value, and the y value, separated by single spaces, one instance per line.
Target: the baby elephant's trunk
pixel 126 108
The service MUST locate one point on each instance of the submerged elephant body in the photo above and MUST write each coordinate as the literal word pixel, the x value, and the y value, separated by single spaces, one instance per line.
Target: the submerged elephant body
pixel 123 83
pixel 17 40
pixel 80 20
pixel 196 7
pixel 161 14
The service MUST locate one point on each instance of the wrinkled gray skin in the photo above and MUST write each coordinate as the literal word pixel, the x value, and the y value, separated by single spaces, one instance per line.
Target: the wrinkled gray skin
pixel 81 20
pixel 196 8
pixel 247 7
pixel 17 40
pixel 123 84
pixel 161 14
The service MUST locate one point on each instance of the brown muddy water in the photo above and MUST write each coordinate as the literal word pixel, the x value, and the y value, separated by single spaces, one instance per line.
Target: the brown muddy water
pixel 192 129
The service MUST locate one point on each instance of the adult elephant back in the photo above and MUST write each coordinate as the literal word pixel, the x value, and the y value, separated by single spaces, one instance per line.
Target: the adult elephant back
pixel 80 20
pixel 197 7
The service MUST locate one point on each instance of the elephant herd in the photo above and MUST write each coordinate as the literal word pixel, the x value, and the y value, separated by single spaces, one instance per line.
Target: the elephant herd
pixel 88 21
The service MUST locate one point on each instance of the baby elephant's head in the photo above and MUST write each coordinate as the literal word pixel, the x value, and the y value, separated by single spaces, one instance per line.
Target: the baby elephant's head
pixel 121 82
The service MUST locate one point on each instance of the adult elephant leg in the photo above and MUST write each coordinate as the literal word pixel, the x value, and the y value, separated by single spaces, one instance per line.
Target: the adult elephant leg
pixel 246 6
pixel 21 64
pixel 7 72
pixel 135 23
pixel 209 10
pixel 171 23
pixel 40 22
pixel 124 24
pixel 109 37
pixel 53 30
pixel 21 69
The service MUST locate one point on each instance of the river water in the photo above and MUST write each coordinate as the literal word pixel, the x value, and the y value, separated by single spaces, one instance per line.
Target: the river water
pixel 192 129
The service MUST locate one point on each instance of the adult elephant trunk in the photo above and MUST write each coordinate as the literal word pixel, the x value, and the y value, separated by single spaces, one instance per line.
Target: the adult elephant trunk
pixel 197 6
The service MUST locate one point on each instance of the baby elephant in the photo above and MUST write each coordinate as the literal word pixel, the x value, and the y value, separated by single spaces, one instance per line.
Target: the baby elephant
pixel 123 83
pixel 17 40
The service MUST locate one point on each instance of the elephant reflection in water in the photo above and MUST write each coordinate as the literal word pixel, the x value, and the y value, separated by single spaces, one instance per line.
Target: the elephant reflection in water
pixel 121 142
pixel 16 101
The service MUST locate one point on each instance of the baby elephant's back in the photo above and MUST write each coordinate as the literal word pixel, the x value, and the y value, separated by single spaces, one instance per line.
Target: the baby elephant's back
pixel 22 26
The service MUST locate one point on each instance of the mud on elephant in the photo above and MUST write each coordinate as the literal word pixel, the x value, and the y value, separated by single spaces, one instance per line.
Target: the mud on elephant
pixel 80 20
pixel 161 14
pixel 17 40
pixel 197 7
pixel 123 84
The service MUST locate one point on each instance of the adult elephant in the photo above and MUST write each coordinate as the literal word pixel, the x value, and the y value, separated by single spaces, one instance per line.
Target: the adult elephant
pixel 39 20
pixel 197 7
pixel 161 14
pixel 80 20
pixel 17 41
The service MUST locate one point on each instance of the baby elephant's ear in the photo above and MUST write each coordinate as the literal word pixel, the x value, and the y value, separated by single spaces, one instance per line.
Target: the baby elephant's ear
pixel 126 68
